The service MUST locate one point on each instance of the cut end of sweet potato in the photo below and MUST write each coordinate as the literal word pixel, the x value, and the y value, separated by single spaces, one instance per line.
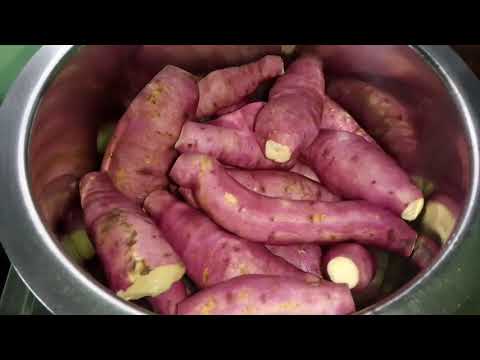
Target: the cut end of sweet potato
pixel 156 282
pixel 277 152
pixel 439 220
pixel 288 49
pixel 413 210
pixel 342 270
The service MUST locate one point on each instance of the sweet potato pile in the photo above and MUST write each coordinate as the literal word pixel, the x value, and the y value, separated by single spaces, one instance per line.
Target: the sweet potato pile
pixel 276 205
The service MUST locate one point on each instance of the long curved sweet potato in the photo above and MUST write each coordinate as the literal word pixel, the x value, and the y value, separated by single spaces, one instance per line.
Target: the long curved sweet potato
pixel 283 222
pixel 384 117
pixel 353 168
pixel 270 295
pixel 350 264
pixel 211 254
pixel 136 258
pixel 227 139
pixel 141 151
pixel 288 123
pixel 227 87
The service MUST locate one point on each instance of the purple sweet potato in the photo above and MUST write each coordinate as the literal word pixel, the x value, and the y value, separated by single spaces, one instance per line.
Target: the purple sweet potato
pixel 227 87
pixel 137 260
pixel 441 215
pixel 425 251
pixel 350 264
pixel 284 222
pixel 383 116
pixel 306 257
pixel 353 168
pixel 282 184
pixel 270 295
pixel 141 151
pixel 211 254
pixel 305 170
pixel 288 122
pixel 336 118
pixel 227 140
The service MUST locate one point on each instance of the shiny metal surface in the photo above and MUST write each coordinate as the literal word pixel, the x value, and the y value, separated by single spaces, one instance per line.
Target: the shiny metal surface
pixel 50 117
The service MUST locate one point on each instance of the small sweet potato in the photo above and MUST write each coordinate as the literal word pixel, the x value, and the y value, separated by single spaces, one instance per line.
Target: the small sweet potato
pixel 283 222
pixel 350 264
pixel 142 149
pixel 383 116
pixel 353 168
pixel 270 295
pixel 227 139
pixel 288 123
pixel 227 87
pixel 211 254
pixel 137 260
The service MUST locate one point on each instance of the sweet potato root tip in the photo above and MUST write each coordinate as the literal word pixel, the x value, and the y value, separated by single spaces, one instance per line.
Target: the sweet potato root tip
pixel 414 209
pixel 342 270
pixel 277 152
pixel 154 283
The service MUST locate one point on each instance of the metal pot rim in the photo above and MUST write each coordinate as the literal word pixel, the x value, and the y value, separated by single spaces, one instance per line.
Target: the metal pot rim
pixel 61 279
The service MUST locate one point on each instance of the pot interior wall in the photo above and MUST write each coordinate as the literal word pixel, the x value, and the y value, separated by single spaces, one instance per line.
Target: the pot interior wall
pixel 96 83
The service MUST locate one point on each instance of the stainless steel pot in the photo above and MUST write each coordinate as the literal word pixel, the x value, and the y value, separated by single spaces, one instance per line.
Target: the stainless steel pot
pixel 53 111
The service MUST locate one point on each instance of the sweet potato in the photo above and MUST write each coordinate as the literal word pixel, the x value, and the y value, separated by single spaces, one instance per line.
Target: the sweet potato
pixel 270 295
pixel 283 222
pixel 227 87
pixel 211 254
pixel 142 149
pixel 440 216
pixel 305 170
pixel 425 251
pixel 350 264
pixel 353 168
pixel 137 260
pixel 282 184
pixel 288 123
pixel 336 118
pixel 383 116
pixel 229 142
pixel 306 257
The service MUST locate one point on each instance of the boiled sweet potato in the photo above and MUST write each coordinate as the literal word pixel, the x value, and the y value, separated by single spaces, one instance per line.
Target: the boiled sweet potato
pixel 288 123
pixel 142 149
pixel 226 87
pixel 382 115
pixel 353 168
pixel 284 222
pixel 227 139
pixel 270 295
pixel 211 255
pixel 137 259
pixel 350 264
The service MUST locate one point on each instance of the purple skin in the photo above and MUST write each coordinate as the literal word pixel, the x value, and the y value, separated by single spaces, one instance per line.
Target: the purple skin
pixel 142 148
pixel 288 123
pixel 306 257
pixel 125 237
pixel 228 139
pixel 285 222
pixel 305 170
pixel 211 254
pixel 336 118
pixel 426 250
pixel 168 304
pixel 270 295
pixel 355 169
pixel 282 184
pixel 227 87
pixel 359 255
pixel 380 114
